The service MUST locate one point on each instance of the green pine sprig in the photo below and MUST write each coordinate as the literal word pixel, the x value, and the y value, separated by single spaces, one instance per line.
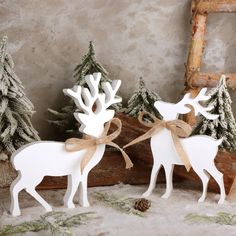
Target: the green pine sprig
pixel 122 205
pixel 222 218
pixel 143 99
pixel 56 222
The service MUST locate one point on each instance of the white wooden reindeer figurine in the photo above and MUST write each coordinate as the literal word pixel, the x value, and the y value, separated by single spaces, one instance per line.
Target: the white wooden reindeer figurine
pixel 48 158
pixel 200 149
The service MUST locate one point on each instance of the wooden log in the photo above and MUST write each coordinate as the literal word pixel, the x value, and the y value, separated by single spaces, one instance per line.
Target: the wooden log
pixel 111 170
pixel 225 163
pixel 232 191
pixel 212 79
pixel 214 6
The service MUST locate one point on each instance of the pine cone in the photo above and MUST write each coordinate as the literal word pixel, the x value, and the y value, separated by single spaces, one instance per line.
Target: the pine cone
pixel 142 204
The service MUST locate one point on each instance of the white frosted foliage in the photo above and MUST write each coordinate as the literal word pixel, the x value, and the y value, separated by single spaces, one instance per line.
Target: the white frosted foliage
pixel 143 99
pixel 15 108
pixel 225 126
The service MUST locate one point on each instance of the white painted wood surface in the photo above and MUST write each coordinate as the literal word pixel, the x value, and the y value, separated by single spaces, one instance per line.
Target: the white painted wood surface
pixel 201 149
pixel 48 158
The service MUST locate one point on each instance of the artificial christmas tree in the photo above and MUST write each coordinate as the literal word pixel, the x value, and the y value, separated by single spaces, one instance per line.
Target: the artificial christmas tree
pixel 142 100
pixel 89 65
pixel 16 109
pixel 225 126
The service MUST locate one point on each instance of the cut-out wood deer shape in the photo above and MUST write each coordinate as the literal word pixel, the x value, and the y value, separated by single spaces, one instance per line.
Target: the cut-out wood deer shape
pixel 200 149
pixel 48 158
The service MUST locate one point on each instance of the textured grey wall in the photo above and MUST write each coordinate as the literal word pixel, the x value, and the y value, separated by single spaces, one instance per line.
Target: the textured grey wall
pixel 132 38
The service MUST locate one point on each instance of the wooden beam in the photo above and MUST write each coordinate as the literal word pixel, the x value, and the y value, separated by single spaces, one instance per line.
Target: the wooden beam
pixel 213 6
pixel 211 79
pixel 197 45
pixel 194 58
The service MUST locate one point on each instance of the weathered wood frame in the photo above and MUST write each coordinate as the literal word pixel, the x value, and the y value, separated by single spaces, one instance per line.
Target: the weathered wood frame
pixel 195 79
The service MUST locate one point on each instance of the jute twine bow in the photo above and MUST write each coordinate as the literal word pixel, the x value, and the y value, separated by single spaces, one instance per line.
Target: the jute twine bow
pixel 178 128
pixel 75 144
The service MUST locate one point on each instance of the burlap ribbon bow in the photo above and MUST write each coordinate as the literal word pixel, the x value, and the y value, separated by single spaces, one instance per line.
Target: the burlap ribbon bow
pixel 178 128
pixel 75 144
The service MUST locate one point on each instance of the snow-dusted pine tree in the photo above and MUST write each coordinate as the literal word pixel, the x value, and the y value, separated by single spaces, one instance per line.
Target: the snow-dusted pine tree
pixel 143 99
pixel 64 119
pixel 16 109
pixel 225 126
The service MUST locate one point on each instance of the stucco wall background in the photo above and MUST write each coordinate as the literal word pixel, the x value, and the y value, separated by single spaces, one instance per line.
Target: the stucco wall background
pixel 47 38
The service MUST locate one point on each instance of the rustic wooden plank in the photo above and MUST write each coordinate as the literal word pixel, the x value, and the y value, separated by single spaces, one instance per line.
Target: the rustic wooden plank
pixel 214 6
pixel 211 79
pixel 232 192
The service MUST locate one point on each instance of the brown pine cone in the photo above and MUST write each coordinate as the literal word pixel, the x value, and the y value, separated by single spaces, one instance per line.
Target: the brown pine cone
pixel 142 204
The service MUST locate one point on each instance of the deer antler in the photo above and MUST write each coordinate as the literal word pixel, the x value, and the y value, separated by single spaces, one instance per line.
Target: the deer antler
pixel 84 98
pixel 109 98
pixel 92 122
pixel 198 108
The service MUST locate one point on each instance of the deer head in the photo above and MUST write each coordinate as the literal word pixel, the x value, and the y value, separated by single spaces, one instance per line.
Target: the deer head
pixel 92 120
pixel 170 111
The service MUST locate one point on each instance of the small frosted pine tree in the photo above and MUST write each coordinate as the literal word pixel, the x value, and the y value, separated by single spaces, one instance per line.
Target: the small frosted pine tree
pixel 16 109
pixel 143 99
pixel 223 127
pixel 65 119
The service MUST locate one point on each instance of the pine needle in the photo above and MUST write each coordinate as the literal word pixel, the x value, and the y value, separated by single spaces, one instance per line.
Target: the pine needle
pixel 56 222
pixel 121 205
pixel 222 218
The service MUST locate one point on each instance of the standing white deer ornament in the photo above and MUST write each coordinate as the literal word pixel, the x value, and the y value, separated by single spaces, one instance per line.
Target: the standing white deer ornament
pixel 168 149
pixel 76 157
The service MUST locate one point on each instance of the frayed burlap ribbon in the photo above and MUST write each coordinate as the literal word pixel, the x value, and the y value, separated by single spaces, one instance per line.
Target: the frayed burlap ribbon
pixel 75 144
pixel 178 128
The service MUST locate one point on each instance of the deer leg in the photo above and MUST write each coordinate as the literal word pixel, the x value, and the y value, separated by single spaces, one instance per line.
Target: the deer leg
pixel 34 194
pixel 218 176
pixel 16 187
pixel 30 188
pixel 72 186
pixel 83 192
pixel 169 180
pixel 155 169
pixel 204 176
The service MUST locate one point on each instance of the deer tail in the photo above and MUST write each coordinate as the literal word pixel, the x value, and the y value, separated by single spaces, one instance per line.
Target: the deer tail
pixel 219 141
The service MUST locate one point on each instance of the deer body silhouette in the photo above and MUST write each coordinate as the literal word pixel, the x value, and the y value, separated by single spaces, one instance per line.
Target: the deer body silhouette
pixel 200 149
pixel 48 158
